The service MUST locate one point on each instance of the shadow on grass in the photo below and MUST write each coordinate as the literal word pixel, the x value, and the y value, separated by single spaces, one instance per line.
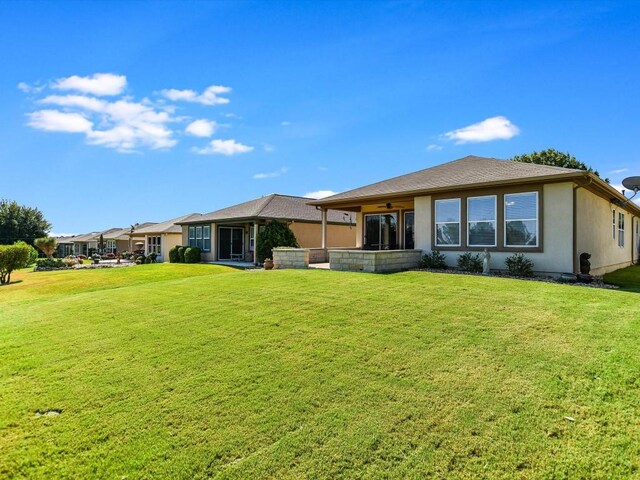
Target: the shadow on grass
pixel 13 282
pixel 628 279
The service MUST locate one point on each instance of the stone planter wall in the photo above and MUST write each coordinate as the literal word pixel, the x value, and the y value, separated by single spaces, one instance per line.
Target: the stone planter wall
pixel 374 261
pixel 284 257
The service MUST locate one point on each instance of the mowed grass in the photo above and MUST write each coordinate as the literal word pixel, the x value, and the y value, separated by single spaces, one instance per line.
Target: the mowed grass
pixel 626 278
pixel 316 374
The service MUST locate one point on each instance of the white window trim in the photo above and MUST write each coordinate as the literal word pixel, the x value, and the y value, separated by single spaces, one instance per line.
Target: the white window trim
pixel 436 223
pixel 537 220
pixel 613 223
pixel 495 221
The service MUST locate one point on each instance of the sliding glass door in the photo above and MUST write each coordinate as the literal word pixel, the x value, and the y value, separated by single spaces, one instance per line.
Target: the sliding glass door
pixel 230 243
pixel 381 231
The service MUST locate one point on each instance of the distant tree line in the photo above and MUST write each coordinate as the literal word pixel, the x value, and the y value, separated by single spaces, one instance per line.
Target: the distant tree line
pixel 19 222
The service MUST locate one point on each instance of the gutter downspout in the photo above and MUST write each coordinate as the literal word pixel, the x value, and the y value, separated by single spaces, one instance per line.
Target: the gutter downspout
pixel 576 265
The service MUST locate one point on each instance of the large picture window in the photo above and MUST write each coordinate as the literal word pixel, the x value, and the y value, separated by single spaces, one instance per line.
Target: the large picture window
pixel 448 222
pixel 521 219
pixel 200 236
pixel 154 245
pixel 481 221
pixel 409 228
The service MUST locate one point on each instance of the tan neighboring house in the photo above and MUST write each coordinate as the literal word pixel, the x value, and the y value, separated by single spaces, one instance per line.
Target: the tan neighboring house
pixel 229 234
pixel 161 237
pixel 551 214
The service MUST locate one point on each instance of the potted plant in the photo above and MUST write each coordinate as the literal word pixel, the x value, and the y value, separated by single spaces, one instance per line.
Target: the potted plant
pixel 96 258
pixel 268 264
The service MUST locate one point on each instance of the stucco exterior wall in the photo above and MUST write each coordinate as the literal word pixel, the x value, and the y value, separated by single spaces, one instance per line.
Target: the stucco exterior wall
pixel 309 235
pixel 594 228
pixel 423 233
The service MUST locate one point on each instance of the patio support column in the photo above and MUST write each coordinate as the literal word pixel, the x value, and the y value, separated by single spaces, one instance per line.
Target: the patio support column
pixel 255 242
pixel 324 228
pixel 214 242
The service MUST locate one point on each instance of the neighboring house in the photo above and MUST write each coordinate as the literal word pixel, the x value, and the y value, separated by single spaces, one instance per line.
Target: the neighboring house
pixel 124 239
pixel 551 214
pixel 65 246
pixel 230 233
pixel 83 243
pixel 159 238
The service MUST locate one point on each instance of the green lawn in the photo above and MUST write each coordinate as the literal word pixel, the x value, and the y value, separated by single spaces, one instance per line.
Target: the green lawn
pixel 195 371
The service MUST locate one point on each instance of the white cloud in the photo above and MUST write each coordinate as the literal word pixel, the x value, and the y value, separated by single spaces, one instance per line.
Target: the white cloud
pixel 277 173
pixel 209 97
pixel 617 186
pixel 433 148
pixel 26 88
pixel 619 170
pixel 494 128
pixel 223 147
pixel 123 125
pixel 96 84
pixel 285 123
pixel 319 194
pixel 57 121
pixel 268 147
pixel 201 128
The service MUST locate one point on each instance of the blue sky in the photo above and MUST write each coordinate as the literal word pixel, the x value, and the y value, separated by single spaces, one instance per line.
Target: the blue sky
pixel 121 112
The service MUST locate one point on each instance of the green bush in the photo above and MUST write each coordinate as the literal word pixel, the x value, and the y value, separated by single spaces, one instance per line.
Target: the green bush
pixel 469 262
pixel 519 266
pixel 12 257
pixel 192 255
pixel 272 235
pixel 435 260
pixel 50 263
pixel 151 258
pixel 33 253
pixel 181 251
pixel 174 254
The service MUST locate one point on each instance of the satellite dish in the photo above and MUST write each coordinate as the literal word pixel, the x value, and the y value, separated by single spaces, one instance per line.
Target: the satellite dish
pixel 632 183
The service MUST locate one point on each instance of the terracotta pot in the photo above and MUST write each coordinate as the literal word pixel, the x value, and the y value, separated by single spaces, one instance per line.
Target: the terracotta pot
pixel 268 264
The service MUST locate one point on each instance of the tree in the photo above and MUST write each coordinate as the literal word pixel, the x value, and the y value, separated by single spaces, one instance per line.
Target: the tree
pixel 48 245
pixel 101 244
pixel 274 234
pixel 553 157
pixel 12 257
pixel 18 222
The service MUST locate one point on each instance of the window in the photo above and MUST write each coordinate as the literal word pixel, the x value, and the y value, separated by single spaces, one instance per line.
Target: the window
pixel 110 246
pixel 481 221
pixel 252 238
pixel 621 229
pixel 521 219
pixel 448 222
pixel 409 230
pixel 200 236
pixel 381 232
pixel 154 245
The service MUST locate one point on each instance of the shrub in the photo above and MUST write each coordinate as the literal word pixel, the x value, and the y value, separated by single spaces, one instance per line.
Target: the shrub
pixel 469 262
pixel 50 263
pixel 127 255
pixel 192 255
pixel 33 253
pixel 139 258
pixel 181 251
pixel 435 260
pixel 274 234
pixel 151 258
pixel 82 257
pixel 174 255
pixel 519 266
pixel 12 257
pixel 70 262
pixel 110 256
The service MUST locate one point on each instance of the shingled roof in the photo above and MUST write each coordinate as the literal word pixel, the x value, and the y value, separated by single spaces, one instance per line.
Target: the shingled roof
pixel 168 226
pixel 467 171
pixel 270 207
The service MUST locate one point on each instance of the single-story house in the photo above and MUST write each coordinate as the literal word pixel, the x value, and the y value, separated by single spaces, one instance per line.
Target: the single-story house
pixel 229 234
pixel 160 237
pixel 550 214
pixel 64 246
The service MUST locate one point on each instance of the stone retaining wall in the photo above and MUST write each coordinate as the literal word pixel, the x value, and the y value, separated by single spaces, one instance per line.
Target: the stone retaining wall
pixel 284 257
pixel 374 261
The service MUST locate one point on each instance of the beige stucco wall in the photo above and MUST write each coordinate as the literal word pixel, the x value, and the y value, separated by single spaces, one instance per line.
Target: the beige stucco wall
pixel 595 233
pixel 423 234
pixel 309 235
